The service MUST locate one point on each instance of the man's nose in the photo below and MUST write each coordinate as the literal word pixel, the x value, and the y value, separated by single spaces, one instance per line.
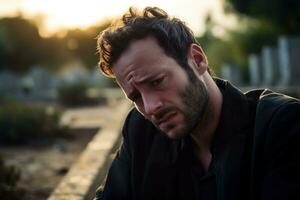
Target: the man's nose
pixel 152 104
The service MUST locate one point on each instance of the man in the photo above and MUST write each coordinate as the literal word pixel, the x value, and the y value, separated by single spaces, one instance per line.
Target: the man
pixel 192 136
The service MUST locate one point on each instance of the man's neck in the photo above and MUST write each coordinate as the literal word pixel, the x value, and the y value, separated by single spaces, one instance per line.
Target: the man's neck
pixel 203 135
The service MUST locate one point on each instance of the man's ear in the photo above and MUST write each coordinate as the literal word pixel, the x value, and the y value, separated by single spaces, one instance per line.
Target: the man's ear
pixel 197 57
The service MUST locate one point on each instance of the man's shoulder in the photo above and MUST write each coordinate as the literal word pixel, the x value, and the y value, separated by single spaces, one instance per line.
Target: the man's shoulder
pixel 274 151
pixel 277 119
pixel 269 102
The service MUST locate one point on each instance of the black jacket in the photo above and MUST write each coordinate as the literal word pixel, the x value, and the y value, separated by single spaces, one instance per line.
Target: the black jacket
pixel 259 158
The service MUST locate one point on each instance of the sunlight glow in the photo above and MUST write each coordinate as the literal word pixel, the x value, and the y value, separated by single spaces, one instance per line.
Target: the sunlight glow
pixel 57 15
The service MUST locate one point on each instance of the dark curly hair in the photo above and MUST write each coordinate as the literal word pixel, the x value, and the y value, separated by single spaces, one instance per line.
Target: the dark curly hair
pixel 171 34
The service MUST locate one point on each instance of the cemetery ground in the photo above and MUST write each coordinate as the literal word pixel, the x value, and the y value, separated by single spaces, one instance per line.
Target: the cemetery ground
pixel 43 163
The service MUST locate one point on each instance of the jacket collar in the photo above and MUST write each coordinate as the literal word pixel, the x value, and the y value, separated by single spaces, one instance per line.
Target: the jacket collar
pixel 230 141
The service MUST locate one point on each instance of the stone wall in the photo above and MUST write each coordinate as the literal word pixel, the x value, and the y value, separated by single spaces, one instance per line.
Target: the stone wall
pixel 89 171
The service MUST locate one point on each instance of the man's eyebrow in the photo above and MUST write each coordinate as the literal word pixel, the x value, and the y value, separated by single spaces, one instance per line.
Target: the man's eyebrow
pixel 145 79
pixel 132 94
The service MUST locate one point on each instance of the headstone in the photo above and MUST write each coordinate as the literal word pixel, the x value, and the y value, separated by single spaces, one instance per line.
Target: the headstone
pixel 289 51
pixel 9 84
pixel 39 83
pixel 74 74
pixel 275 66
pixel 226 72
pixel 231 73
pixel 97 79
pixel 254 74
pixel 270 65
pixel 284 61
pixel 267 66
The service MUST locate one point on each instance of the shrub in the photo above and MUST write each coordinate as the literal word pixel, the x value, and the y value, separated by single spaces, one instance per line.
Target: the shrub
pixel 9 176
pixel 73 94
pixel 20 123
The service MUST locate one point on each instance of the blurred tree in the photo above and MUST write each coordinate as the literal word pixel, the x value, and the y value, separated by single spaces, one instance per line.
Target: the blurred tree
pixel 82 43
pixel 255 35
pixel 19 44
pixel 219 50
pixel 53 53
pixel 252 32
pixel 284 14
pixel 207 38
pixel 234 46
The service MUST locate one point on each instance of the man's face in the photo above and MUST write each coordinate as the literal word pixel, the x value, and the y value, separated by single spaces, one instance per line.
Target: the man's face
pixel 172 99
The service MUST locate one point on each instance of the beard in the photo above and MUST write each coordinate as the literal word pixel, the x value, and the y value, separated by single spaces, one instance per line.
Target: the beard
pixel 195 109
pixel 195 99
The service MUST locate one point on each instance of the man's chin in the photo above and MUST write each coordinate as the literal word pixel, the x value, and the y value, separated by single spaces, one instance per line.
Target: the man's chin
pixel 173 131
pixel 175 134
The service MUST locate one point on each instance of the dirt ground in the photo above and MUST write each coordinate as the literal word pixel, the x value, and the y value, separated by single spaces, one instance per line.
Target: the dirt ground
pixel 42 166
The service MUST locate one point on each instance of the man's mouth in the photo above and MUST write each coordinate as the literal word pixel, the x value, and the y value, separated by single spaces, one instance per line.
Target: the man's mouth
pixel 166 118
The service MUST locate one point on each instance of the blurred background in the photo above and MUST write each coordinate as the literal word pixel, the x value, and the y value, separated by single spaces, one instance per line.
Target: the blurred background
pixel 50 83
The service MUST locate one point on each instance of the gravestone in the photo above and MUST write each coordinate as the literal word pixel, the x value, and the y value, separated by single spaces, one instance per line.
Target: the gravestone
pixel 270 66
pixel 9 84
pixel 255 78
pixel 98 80
pixel 39 83
pixel 275 66
pixel 74 74
pixel 267 66
pixel 289 60
pixel 231 73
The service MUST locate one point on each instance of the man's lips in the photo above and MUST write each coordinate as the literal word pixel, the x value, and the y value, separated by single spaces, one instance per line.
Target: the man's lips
pixel 166 118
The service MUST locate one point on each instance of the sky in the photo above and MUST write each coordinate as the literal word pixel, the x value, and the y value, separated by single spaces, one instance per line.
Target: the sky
pixel 55 15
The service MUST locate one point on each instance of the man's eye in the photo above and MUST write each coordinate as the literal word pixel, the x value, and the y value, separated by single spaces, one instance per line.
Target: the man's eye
pixel 156 82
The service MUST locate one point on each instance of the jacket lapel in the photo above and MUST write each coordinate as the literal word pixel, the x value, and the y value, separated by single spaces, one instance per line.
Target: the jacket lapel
pixel 160 172
pixel 229 145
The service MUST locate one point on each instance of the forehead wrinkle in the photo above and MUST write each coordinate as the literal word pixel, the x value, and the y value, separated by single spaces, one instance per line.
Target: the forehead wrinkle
pixel 137 75
pixel 144 79
pixel 129 84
